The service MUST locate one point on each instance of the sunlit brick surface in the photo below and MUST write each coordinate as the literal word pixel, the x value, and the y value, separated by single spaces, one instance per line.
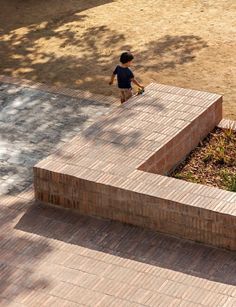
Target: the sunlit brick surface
pixel 115 168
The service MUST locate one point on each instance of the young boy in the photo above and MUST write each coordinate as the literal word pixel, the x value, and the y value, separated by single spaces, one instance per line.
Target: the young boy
pixel 125 76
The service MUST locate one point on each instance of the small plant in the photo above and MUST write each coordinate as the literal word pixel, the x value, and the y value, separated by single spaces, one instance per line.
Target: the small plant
pixel 228 180
pixel 188 176
pixel 229 133
pixel 179 176
pixel 209 155
pixel 219 155
pixel 232 186
pixel 207 158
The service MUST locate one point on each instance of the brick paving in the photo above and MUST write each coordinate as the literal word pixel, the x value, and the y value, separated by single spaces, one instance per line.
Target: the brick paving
pixel 34 122
pixel 114 169
pixel 53 257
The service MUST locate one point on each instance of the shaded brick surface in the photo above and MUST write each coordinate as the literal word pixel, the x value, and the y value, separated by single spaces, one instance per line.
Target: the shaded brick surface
pixel 54 257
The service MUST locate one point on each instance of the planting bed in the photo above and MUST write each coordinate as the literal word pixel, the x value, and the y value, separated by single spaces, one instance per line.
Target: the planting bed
pixel 117 168
pixel 213 162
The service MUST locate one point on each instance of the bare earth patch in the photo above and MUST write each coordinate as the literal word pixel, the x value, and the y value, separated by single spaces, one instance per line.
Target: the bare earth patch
pixel 213 162
pixel 77 43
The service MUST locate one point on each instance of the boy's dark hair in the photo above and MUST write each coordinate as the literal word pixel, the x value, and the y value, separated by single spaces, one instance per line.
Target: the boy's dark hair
pixel 126 57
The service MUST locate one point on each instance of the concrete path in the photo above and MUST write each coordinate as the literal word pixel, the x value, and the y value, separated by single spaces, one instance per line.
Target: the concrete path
pixel 51 257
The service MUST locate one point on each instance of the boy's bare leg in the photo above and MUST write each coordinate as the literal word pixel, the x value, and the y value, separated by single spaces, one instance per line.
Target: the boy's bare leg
pixel 126 94
pixel 122 96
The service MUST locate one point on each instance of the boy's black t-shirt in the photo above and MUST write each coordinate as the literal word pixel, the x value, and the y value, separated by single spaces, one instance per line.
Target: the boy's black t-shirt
pixel 124 76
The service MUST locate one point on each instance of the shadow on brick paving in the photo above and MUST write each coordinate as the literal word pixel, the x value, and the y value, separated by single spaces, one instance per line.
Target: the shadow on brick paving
pixel 109 130
pixel 19 256
pixel 32 125
pixel 131 242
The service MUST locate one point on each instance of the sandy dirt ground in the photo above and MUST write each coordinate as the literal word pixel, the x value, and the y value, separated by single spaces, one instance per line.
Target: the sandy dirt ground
pixel 77 43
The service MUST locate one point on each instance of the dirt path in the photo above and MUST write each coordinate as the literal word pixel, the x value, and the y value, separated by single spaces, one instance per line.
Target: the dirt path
pixel 76 43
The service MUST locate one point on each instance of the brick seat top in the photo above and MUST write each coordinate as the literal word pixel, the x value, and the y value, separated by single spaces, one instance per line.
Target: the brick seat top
pixel 114 150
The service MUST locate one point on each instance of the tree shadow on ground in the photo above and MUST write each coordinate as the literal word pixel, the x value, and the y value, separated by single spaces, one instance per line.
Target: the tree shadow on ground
pixel 173 51
pixel 131 242
pixel 89 68
pixel 30 12
pixel 170 51
pixel 85 59
pixel 20 255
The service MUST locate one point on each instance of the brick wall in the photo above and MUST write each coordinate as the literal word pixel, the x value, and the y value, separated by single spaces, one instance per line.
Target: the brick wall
pixel 168 214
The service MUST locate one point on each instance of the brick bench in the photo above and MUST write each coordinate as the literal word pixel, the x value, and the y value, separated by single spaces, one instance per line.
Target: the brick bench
pixel 116 168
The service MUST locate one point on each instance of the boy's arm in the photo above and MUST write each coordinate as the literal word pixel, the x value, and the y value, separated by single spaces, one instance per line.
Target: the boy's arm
pixel 137 83
pixel 112 79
